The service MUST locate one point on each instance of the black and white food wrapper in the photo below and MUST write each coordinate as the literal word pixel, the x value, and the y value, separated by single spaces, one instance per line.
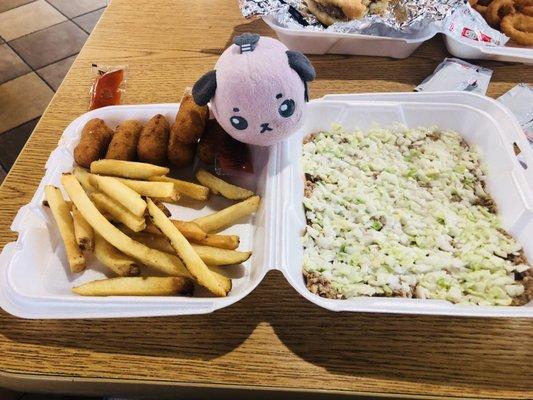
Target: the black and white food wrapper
pixel 520 101
pixel 408 19
pixel 454 74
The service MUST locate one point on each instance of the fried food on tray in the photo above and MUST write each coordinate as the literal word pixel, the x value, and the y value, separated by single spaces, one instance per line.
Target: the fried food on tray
pixel 117 212
pixel 217 185
pixel 162 207
pixel 83 176
pixel 512 17
pixel 524 7
pixel 190 230
pixel 123 146
pixel 180 154
pixel 61 214
pixel 189 189
pixel 153 141
pixel 216 256
pixel 114 259
pixel 209 255
pixel 121 193
pixel 497 9
pixel 185 132
pixel 82 231
pixel 210 141
pixel 330 11
pixel 137 286
pixel 161 261
pixel 191 121
pixel 226 217
pixel 95 137
pixel 519 27
pixel 127 169
pixel 151 189
pixel 186 253
pixel 230 242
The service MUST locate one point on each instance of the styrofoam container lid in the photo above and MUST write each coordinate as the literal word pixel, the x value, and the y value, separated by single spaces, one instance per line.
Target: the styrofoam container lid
pixel 35 281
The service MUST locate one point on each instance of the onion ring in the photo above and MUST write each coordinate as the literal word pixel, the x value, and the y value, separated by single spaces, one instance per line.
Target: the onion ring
pixel 481 9
pixel 524 7
pixel 497 10
pixel 519 28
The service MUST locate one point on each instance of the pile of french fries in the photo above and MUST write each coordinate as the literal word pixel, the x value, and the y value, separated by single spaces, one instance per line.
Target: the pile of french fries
pixel 116 211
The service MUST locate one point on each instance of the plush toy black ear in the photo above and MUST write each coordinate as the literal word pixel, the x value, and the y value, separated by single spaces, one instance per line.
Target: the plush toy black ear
pixel 204 88
pixel 303 67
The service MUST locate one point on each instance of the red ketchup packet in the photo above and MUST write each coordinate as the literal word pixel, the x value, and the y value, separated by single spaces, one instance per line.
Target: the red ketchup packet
pixel 108 86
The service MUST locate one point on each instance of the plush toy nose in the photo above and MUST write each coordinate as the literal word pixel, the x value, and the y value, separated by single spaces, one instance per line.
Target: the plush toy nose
pixel 265 127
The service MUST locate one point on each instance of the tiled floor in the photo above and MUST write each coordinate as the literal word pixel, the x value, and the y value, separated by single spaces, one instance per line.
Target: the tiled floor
pixel 39 40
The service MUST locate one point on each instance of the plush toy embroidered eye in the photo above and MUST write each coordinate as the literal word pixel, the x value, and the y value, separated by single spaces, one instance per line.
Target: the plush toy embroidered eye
pixel 258 90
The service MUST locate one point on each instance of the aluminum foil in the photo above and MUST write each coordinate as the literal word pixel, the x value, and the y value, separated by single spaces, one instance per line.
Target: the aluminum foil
pixel 403 19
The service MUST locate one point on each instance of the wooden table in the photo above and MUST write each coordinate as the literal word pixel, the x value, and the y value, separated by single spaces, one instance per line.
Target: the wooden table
pixel 273 340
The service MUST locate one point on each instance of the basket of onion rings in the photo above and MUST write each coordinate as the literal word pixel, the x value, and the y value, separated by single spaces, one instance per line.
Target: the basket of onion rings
pixel 514 18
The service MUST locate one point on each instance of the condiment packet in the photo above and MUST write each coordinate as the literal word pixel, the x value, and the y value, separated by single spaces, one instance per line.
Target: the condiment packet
pixel 465 23
pixel 108 87
pixel 457 75
pixel 520 101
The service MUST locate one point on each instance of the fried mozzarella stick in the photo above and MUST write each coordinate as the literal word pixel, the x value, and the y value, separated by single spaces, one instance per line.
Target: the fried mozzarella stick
pixel 123 146
pixel 95 138
pixel 153 141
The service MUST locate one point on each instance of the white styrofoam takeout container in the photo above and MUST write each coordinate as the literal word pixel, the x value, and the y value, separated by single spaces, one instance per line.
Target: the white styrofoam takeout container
pixel 475 51
pixel 325 42
pixel 34 277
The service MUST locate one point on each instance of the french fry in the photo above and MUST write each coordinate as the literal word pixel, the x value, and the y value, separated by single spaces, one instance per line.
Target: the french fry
pixel 230 242
pixel 162 244
pixel 114 259
pixel 190 230
pixel 219 186
pixel 157 242
pixel 226 217
pixel 82 175
pixel 185 252
pixel 82 231
pixel 159 260
pixel 209 255
pixel 172 200
pixel 162 207
pixel 67 202
pixel 121 193
pixel 151 189
pixel 61 214
pixel 189 189
pixel 216 256
pixel 224 282
pixel 127 169
pixel 117 212
pixel 137 286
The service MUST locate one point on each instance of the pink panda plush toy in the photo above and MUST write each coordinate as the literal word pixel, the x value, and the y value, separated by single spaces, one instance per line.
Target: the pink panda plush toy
pixel 258 90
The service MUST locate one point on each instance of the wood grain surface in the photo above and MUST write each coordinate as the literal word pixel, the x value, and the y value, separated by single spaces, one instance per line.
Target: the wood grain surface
pixel 273 338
